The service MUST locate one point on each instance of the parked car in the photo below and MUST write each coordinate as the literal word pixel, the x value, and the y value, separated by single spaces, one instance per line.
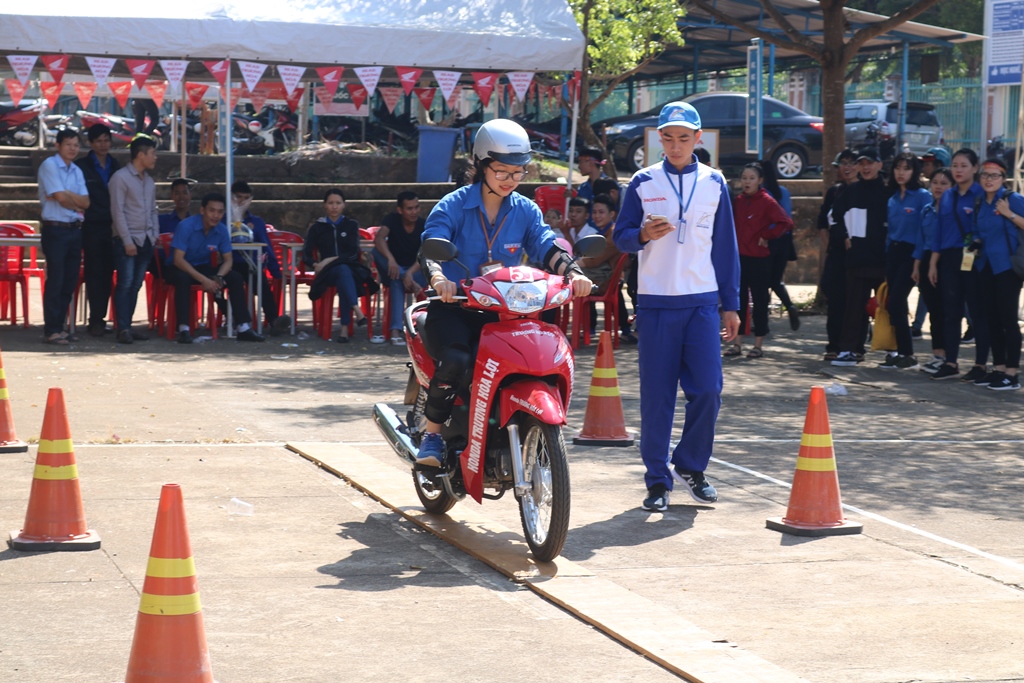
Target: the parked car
pixel 921 132
pixel 792 138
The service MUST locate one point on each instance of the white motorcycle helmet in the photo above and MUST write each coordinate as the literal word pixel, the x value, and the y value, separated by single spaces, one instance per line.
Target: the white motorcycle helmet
pixel 503 141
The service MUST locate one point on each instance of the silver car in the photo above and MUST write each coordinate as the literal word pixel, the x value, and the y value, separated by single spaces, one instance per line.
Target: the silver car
pixel 922 131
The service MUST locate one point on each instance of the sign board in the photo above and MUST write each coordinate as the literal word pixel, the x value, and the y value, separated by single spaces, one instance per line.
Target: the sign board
pixel 755 135
pixel 654 152
pixel 1005 45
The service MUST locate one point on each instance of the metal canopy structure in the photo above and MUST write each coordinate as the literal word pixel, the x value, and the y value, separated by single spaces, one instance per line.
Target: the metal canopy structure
pixel 712 45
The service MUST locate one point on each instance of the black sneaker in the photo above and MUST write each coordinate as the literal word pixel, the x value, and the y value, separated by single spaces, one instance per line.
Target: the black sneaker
pixel 968 335
pixel 696 484
pixel 124 337
pixel 280 324
pixel 794 319
pixel 947 371
pixel 890 362
pixel 906 363
pixel 916 333
pixel 988 378
pixel 627 337
pixel 1005 383
pixel 845 359
pixel 184 337
pixel 249 336
pixel 657 499
pixel 975 373
pixel 932 366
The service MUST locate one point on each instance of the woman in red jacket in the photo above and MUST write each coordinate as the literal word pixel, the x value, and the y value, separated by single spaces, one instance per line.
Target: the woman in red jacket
pixel 758 219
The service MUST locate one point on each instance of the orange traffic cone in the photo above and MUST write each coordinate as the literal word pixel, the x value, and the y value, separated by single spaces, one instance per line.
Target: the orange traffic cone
pixel 815 508
pixel 603 423
pixel 9 442
pixel 170 641
pixel 55 519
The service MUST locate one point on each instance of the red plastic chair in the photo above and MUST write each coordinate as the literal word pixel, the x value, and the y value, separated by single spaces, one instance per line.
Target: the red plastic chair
pixel 32 269
pixel 166 319
pixel 610 299
pixel 278 238
pixel 551 197
pixel 12 273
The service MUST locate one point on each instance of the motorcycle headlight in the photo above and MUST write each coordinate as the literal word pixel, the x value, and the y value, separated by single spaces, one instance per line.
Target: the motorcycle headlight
pixel 484 300
pixel 255 127
pixel 559 299
pixel 524 297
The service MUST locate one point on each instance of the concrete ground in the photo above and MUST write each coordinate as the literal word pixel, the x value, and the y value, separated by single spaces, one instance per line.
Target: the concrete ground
pixel 322 583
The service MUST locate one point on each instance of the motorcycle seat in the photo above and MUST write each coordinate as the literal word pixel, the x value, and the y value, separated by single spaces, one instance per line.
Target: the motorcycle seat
pixel 6 107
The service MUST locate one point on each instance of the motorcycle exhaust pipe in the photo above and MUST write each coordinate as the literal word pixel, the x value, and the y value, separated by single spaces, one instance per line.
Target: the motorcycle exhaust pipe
pixel 391 428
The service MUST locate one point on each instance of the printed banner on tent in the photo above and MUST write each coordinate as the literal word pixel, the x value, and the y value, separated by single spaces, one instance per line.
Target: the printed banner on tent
pixel 56 65
pixel 195 92
pixel 357 93
pixel 426 96
pixel 22 65
pixel 447 80
pixel 122 91
pixel 521 82
pixel 157 90
pixel 140 70
pixel 391 96
pixel 293 98
pixel 219 70
pixel 290 75
pixel 51 91
pixel 15 89
pixel 483 84
pixel 252 72
pixel 369 76
pixel 330 76
pixel 409 77
pixel 100 68
pixel 174 69
pixel 84 90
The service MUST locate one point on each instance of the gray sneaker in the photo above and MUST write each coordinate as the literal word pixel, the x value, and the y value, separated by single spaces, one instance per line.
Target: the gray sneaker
pixel 890 362
pixel 906 363
pixel 699 488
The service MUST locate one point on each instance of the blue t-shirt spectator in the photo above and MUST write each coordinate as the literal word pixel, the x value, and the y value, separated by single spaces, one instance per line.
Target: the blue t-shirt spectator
pixel 197 245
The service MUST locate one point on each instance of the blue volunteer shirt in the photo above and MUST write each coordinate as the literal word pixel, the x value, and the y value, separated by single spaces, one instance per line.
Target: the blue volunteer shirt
pixel 197 245
pixel 905 215
pixel 926 230
pixel 259 234
pixel 952 232
pixel 460 218
pixel 999 238
pixel 169 221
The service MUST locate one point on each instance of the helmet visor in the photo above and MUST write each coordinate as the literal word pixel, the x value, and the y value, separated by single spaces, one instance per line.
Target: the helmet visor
pixel 511 158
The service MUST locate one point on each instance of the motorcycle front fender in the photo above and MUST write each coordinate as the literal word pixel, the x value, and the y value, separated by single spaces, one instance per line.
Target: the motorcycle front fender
pixel 532 397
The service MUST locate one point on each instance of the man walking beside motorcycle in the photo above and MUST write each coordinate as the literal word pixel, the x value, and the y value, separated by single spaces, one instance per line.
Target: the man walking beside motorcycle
pixel 491 225
pixel 677 214
pixel 136 226
pixel 98 166
pixel 64 197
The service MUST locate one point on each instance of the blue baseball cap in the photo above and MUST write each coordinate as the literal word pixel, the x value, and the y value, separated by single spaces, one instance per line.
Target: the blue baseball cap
pixel 679 114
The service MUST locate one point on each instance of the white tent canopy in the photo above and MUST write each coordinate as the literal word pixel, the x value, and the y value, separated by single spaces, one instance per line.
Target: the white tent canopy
pixel 519 35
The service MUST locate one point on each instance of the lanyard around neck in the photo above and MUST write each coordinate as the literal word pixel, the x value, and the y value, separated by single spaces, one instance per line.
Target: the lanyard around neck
pixel 490 239
pixel 683 208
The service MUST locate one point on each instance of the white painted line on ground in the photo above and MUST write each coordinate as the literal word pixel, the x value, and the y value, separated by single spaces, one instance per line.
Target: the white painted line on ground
pixel 885 520
pixel 178 444
pixel 906 441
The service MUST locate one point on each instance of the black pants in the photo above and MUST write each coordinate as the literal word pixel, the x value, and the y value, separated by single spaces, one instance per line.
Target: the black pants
pixel 899 265
pixel 956 287
pixel 1001 301
pixel 860 281
pixel 140 110
pixel 755 283
pixel 62 247
pixel 833 284
pixel 933 301
pixel 183 282
pixel 98 263
pixel 782 252
pixel 451 336
pixel 269 304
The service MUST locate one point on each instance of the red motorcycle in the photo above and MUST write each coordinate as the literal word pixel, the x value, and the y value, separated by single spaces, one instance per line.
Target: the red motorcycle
pixel 506 431
pixel 19 123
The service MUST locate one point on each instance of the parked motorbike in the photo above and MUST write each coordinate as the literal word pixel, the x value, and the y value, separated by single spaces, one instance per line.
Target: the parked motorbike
pixel 122 128
pixel 56 122
pixel 19 124
pixel 997 149
pixel 505 432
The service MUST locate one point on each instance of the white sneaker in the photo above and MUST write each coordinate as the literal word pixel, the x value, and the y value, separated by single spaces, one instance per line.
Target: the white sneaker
pixel 377 339
pixel 397 341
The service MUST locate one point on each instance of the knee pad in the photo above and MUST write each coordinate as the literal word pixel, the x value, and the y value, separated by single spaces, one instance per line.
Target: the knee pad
pixel 453 366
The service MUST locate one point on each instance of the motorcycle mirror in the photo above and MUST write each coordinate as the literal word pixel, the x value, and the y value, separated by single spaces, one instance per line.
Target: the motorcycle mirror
pixel 589 246
pixel 438 249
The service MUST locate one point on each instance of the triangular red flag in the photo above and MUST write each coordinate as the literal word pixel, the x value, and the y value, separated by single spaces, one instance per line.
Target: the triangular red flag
pixel 426 96
pixel 15 89
pixel 51 91
pixel 157 91
pixel 56 65
pixel 122 91
pixel 409 77
pixel 483 84
pixel 357 92
pixel 84 90
pixel 140 70
pixel 293 98
pixel 330 76
pixel 195 92
pixel 219 70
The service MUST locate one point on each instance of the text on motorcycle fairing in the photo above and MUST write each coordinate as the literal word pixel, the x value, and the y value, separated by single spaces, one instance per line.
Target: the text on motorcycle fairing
pixel 476 436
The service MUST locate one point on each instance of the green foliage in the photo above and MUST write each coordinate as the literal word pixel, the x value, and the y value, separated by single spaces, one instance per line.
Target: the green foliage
pixel 621 34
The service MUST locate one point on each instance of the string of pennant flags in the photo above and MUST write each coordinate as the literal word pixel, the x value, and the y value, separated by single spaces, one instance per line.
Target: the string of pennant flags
pixel 521 83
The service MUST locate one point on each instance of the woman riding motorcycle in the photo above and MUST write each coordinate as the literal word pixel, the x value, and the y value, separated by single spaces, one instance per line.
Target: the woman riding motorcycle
pixel 491 225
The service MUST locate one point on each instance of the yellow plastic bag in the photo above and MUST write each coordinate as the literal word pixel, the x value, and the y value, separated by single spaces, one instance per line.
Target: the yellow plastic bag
pixel 883 335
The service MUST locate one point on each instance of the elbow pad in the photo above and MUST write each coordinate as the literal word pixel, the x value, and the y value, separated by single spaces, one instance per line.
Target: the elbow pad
pixel 559 262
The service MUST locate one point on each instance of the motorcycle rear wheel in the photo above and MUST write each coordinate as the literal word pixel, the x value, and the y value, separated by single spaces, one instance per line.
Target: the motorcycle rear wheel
pixel 544 509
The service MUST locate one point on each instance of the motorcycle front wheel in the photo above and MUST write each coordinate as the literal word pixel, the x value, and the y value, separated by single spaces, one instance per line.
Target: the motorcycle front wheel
pixel 544 508
pixel 433 496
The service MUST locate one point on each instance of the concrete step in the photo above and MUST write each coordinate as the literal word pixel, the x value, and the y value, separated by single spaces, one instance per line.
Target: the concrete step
pixel 25 174
pixel 7 181
pixel 16 161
